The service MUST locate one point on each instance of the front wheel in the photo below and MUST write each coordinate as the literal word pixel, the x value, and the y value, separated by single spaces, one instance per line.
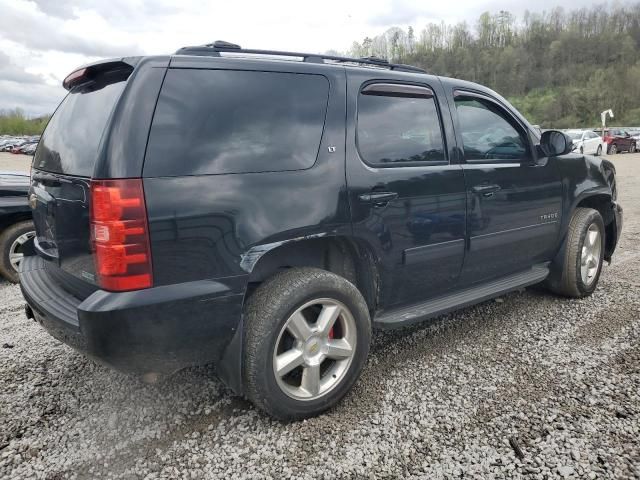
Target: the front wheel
pixel 307 334
pixel 599 151
pixel 584 253
pixel 613 149
pixel 632 148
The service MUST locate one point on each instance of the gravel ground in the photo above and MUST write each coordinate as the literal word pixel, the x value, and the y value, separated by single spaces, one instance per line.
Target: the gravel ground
pixel 527 386
pixel 9 161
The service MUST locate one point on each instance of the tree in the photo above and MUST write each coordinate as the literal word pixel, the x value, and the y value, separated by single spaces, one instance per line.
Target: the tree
pixel 561 68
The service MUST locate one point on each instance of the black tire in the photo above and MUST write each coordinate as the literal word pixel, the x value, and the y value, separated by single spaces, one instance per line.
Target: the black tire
pixel 632 148
pixel 7 239
pixel 581 151
pixel 599 151
pixel 570 283
pixel 266 314
pixel 613 149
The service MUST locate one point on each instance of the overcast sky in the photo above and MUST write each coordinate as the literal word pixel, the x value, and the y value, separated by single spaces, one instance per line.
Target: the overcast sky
pixel 41 41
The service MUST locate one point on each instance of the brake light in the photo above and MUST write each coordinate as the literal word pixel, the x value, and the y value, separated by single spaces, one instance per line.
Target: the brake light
pixel 73 78
pixel 120 235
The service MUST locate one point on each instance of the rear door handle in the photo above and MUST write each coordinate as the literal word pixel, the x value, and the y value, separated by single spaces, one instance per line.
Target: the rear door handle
pixel 486 190
pixel 379 199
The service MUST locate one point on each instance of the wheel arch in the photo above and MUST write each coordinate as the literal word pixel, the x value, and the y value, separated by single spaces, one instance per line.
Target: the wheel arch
pixel 602 202
pixel 345 256
pixel 11 219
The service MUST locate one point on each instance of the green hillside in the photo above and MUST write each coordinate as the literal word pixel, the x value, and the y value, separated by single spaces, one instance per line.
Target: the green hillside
pixel 14 122
pixel 559 68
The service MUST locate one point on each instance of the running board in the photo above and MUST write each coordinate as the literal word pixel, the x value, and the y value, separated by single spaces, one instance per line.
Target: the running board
pixel 417 312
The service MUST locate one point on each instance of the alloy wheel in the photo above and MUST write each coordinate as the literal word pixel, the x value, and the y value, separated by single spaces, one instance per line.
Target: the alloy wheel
pixel 15 251
pixel 314 349
pixel 590 257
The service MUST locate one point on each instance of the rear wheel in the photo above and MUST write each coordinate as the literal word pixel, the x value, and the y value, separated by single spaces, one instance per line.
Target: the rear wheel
pixel 584 253
pixel 12 241
pixel 307 334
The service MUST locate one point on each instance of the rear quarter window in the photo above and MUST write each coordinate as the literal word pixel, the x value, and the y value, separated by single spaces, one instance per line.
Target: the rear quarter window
pixel 226 121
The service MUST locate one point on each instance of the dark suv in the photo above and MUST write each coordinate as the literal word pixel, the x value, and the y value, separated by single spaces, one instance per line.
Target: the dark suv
pixel 263 210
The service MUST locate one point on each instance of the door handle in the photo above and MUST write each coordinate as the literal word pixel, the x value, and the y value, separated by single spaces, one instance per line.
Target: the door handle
pixel 486 190
pixel 379 199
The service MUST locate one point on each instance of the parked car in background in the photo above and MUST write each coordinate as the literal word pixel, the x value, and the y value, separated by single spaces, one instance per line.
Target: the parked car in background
pixel 586 141
pixel 618 140
pixel 29 149
pixel 635 134
pixel 16 227
pixel 15 144
pixel 26 146
pixel 9 144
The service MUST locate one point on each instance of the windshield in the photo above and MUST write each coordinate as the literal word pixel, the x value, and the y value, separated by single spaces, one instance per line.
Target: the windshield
pixel 575 135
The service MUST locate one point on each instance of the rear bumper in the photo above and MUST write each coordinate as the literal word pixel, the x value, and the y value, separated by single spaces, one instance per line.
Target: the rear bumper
pixel 158 330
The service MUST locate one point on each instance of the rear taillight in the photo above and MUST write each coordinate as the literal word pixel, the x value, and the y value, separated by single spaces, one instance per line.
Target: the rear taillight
pixel 120 235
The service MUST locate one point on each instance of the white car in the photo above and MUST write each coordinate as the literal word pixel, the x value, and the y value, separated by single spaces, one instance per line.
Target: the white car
pixel 586 141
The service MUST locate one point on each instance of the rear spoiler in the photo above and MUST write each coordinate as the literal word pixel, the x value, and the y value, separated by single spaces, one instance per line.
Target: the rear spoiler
pixel 89 73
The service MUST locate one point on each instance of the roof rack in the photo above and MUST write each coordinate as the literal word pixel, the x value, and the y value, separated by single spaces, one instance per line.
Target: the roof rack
pixel 214 49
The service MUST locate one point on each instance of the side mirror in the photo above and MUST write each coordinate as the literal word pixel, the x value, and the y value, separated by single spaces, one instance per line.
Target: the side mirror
pixel 554 143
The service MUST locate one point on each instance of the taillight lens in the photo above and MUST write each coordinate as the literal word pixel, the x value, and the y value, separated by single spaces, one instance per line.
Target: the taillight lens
pixel 120 235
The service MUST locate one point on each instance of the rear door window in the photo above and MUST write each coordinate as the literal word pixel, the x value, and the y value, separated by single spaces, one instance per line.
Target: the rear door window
pixel 71 140
pixel 399 127
pixel 226 121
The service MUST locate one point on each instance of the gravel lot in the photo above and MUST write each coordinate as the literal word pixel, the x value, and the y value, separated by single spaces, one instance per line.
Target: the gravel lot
pixel 559 378
pixel 9 161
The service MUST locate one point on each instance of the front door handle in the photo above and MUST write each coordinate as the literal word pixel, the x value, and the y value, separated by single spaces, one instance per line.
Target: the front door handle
pixel 379 199
pixel 485 190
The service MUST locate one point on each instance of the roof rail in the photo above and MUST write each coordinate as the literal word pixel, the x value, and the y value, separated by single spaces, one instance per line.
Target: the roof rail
pixel 214 49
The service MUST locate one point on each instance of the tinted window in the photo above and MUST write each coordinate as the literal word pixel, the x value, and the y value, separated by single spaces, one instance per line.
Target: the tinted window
pixel 398 129
pixel 70 142
pixel 487 134
pixel 222 121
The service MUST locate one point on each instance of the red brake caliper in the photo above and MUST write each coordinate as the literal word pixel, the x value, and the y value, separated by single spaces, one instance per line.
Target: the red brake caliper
pixel 331 333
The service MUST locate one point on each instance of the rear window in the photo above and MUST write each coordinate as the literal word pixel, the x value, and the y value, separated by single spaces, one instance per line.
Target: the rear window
pixel 225 121
pixel 395 130
pixel 71 140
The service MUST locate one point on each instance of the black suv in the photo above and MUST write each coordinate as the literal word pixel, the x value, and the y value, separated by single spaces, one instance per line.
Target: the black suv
pixel 264 210
pixel 16 227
